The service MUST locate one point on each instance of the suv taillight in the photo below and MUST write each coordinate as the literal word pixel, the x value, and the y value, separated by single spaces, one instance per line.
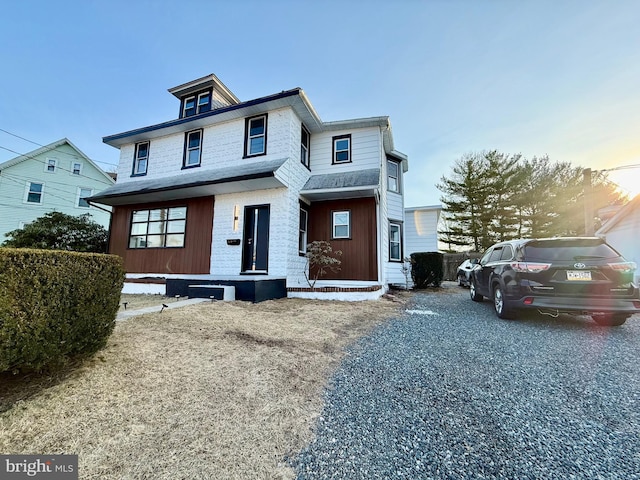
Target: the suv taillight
pixel 530 267
pixel 623 267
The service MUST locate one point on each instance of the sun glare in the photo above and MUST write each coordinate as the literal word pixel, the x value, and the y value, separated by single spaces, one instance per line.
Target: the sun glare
pixel 628 179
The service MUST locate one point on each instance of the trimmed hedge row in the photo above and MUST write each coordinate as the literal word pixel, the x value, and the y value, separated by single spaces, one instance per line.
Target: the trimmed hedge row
pixel 55 305
pixel 427 269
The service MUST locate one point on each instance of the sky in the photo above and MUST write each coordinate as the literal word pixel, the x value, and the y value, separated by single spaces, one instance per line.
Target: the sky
pixel 534 77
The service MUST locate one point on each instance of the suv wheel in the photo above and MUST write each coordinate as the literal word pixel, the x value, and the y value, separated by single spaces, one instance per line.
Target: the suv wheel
pixel 475 296
pixel 610 320
pixel 502 311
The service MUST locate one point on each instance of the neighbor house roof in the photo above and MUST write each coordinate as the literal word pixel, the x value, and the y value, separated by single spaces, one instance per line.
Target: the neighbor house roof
pixel 252 176
pixel 622 213
pixel 49 148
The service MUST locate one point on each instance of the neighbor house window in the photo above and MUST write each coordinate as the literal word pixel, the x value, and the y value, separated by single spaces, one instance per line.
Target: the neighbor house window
pixel 395 242
pixel 76 168
pixel 393 176
pixel 192 149
pixel 342 149
pixel 341 224
pixel 50 165
pixel 305 140
pixel 255 136
pixel 158 228
pixel 302 233
pixel 83 193
pixel 34 192
pixel 141 159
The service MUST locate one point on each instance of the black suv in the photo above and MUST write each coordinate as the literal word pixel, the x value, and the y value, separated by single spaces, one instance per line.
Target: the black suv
pixel 577 275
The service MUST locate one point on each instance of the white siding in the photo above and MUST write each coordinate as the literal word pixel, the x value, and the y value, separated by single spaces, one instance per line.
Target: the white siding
pixel 60 189
pixel 624 238
pixel 365 151
pixel 421 230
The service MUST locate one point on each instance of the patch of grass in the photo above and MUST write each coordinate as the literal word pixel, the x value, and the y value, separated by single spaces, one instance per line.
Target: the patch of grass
pixel 215 390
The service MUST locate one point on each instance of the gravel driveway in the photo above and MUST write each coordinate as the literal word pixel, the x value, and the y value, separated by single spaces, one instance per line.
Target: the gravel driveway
pixel 448 390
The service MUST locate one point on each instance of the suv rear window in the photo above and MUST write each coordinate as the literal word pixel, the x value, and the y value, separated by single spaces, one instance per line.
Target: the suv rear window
pixel 568 250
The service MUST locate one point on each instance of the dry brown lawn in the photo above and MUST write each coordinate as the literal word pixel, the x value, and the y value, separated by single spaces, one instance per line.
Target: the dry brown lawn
pixel 211 391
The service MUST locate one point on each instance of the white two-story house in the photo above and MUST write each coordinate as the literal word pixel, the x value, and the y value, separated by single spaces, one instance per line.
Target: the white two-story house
pixel 231 192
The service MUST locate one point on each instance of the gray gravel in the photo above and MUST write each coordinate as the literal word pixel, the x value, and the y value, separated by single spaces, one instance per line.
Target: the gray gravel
pixel 448 390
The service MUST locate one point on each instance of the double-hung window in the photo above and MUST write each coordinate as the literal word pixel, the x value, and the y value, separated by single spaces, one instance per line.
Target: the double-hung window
pixel 192 149
pixel 83 193
pixel 302 235
pixel 196 104
pixel 76 168
pixel 141 159
pixel 305 140
pixel 204 102
pixel 158 228
pixel 395 242
pixel 189 108
pixel 50 165
pixel 342 149
pixel 341 224
pixel 255 136
pixel 34 192
pixel 393 176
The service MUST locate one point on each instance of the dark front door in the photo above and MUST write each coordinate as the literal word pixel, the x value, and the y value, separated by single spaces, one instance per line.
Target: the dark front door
pixel 255 250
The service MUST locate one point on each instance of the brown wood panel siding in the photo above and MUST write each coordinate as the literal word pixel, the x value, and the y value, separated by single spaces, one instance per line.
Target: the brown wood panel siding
pixel 359 253
pixel 193 258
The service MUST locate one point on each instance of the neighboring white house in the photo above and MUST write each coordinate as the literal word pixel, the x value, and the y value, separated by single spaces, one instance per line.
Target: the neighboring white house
pixel 56 177
pixel 421 229
pixel 230 193
pixel 622 232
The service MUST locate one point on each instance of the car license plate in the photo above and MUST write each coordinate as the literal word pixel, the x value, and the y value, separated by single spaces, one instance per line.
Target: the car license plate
pixel 578 275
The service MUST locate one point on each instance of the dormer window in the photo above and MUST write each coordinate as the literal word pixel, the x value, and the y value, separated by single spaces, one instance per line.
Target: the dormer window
pixel 195 104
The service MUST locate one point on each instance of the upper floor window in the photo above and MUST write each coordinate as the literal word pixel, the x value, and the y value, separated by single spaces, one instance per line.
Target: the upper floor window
pixel 302 234
pixel 395 242
pixel 341 224
pixel 83 193
pixel 196 104
pixel 158 228
pixel 76 168
pixel 393 176
pixel 141 159
pixel 305 140
pixel 192 149
pixel 50 165
pixel 255 136
pixel 34 192
pixel 342 149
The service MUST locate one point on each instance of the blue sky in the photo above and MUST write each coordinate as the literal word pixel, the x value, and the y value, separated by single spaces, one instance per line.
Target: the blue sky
pixel 560 78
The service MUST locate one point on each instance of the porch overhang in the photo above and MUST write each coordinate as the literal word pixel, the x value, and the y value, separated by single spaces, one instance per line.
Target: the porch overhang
pixel 356 184
pixel 256 176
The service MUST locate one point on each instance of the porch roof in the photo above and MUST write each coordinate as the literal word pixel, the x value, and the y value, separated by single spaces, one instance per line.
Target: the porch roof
pixel 242 178
pixel 361 183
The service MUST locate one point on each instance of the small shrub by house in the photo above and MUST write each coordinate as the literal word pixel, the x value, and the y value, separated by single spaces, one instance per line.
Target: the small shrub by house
pixel 426 269
pixel 55 305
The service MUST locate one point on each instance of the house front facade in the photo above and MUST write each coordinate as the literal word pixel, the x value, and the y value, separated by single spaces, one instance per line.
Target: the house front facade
pixel 231 192
pixel 56 177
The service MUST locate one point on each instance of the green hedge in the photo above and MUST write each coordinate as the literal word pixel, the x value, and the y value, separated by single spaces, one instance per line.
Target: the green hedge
pixel 427 269
pixel 55 305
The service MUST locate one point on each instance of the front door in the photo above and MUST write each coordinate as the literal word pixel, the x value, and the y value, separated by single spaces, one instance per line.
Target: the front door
pixel 255 246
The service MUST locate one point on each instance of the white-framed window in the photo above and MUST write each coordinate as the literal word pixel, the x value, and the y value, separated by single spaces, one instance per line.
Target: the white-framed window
pixel 189 107
pixel 141 159
pixel 82 194
pixel 21 225
pixel 204 102
pixel 76 168
pixel 393 176
pixel 192 149
pixel 341 224
pixel 305 141
pixel 158 228
pixel 395 242
pixel 342 149
pixel 302 234
pixel 50 165
pixel 34 193
pixel 255 136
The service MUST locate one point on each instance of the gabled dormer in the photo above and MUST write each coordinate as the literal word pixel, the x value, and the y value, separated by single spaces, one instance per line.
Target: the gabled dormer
pixel 203 95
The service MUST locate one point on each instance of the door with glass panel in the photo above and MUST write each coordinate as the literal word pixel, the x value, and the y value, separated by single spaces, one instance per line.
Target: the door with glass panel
pixel 255 250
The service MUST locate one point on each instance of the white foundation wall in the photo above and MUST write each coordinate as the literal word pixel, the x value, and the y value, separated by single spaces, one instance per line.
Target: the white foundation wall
pixel 222 146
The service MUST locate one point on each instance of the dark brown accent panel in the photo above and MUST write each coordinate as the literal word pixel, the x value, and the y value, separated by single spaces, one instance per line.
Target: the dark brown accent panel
pixel 359 253
pixel 193 258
